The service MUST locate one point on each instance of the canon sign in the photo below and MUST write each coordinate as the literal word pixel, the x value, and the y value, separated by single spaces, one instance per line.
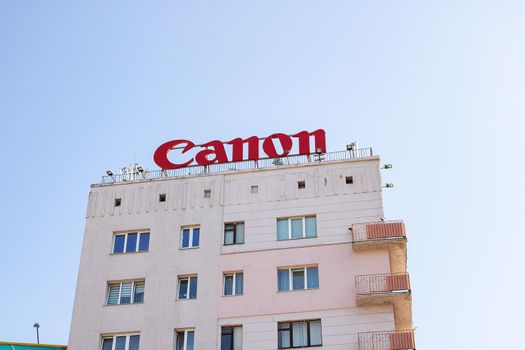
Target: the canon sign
pixel 215 151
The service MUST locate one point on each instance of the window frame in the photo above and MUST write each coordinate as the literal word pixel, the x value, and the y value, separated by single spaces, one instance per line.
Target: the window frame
pixel 234 287
pixel 290 330
pixel 188 288
pixel 289 219
pixel 185 331
pixel 234 223
pixel 133 288
pixel 290 270
pixel 190 238
pixel 232 327
pixel 114 338
pixel 137 244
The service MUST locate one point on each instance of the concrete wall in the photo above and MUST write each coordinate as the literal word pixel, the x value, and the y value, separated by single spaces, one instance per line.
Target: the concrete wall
pixel 336 204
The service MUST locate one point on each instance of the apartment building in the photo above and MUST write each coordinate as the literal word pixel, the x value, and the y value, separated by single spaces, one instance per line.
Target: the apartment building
pixel 275 254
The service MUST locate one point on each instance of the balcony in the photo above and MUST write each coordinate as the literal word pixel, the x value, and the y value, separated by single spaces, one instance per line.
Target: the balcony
pixel 390 288
pixel 382 235
pixel 389 340
pixel 378 231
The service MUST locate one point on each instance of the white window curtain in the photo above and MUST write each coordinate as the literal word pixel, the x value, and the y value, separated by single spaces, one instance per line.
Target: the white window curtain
pixel 300 334
pixel 315 333
pixel 237 338
pixel 239 230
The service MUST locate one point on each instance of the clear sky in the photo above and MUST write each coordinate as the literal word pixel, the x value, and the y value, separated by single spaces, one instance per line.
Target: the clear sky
pixel 437 88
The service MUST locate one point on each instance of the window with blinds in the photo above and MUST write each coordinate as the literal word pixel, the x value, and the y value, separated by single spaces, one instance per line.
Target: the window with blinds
pixel 126 292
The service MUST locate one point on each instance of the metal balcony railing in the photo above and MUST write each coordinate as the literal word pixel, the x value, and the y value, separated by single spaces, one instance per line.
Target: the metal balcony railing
pixel 378 230
pixel 382 283
pixel 239 166
pixel 388 340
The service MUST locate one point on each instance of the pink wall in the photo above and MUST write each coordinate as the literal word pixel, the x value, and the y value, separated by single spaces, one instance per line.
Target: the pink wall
pixel 336 262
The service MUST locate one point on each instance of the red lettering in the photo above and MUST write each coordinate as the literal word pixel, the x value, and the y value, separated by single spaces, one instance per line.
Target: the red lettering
pixel 215 152
pixel 238 151
pixel 218 151
pixel 269 147
pixel 304 141
pixel 161 154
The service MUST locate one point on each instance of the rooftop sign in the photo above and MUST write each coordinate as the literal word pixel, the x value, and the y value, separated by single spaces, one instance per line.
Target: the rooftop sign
pixel 217 151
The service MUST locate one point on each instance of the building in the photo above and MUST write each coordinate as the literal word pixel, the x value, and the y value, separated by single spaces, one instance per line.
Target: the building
pixel 29 346
pixel 254 255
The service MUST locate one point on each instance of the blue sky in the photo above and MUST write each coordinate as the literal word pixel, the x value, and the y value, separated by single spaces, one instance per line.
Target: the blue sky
pixel 437 88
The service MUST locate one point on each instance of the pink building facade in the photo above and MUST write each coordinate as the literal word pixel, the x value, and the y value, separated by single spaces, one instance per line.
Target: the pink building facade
pixel 288 256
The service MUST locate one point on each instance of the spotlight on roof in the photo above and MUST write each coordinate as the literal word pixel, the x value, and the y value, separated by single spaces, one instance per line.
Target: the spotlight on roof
pixel 319 150
pixel 388 185
pixel 140 169
pixel 387 166
pixel 109 172
pixel 352 146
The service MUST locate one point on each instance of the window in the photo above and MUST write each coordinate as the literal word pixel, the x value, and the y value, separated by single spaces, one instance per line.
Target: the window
pixel 349 180
pixel 118 202
pixel 299 334
pixel 296 227
pixel 234 233
pixel 190 237
pixel 131 242
pixel 298 278
pixel 162 197
pixel 301 185
pixel 121 342
pixel 188 287
pixel 233 283
pixel 255 189
pixel 207 193
pixel 184 339
pixel 127 292
pixel 231 338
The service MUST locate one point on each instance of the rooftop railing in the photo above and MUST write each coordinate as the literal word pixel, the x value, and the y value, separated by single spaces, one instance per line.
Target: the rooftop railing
pixel 382 283
pixel 378 230
pixel 238 166
pixel 388 340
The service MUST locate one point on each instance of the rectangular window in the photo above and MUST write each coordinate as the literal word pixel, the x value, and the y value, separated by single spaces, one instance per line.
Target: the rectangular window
pixel 234 233
pixel 298 278
pixel 188 287
pixel 233 283
pixel 121 342
pixel 190 237
pixel 299 334
pixel 231 338
pixel 127 292
pixel 131 242
pixel 184 339
pixel 296 227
